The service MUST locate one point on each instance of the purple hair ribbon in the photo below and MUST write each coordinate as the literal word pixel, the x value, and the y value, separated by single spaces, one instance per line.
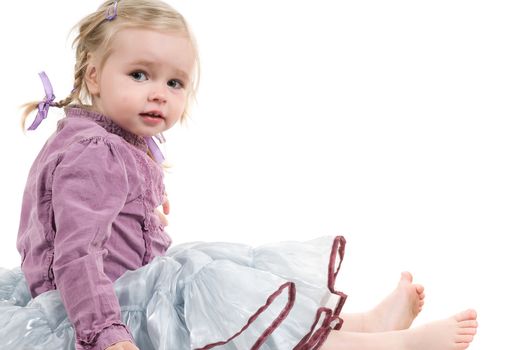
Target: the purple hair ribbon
pixel 154 149
pixel 160 137
pixel 43 107
pixel 111 13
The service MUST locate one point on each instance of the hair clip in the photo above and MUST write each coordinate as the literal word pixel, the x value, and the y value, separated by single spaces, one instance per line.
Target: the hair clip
pixel 111 13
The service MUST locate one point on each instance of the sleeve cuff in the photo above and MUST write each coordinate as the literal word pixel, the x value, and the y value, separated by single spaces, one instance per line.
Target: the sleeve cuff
pixel 108 337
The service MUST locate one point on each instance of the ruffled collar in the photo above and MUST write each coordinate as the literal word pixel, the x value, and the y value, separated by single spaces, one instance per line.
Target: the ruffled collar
pixel 108 124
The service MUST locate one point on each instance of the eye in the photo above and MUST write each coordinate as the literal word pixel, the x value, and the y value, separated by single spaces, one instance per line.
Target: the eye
pixel 175 84
pixel 138 76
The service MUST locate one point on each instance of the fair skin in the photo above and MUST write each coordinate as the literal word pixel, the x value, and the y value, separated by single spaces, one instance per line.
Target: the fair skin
pixel 453 333
pixel 385 327
pixel 144 89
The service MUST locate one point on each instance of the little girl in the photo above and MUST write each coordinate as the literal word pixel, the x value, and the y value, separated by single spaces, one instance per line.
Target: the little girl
pixel 96 272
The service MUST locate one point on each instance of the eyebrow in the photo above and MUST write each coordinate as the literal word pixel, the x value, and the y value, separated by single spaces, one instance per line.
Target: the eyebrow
pixel 149 64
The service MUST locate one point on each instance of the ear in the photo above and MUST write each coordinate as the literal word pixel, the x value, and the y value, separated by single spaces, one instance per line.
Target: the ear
pixel 91 76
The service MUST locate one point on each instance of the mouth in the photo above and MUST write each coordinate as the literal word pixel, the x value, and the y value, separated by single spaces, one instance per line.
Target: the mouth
pixel 152 114
pixel 152 117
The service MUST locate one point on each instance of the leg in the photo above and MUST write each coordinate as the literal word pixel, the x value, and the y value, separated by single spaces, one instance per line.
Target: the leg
pixel 453 333
pixel 396 312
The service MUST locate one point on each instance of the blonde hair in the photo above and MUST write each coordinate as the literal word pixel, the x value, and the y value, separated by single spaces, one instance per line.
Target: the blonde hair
pixel 96 32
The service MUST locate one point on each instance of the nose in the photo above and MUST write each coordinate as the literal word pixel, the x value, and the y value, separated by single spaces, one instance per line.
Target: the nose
pixel 157 93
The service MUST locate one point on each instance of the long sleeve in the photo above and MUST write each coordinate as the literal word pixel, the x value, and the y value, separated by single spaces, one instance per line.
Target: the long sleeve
pixel 89 189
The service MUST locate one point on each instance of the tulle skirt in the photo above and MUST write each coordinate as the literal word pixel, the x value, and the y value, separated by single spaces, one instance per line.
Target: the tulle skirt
pixel 199 296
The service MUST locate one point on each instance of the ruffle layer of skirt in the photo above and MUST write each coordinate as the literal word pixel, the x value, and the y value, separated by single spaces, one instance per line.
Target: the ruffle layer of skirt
pixel 201 296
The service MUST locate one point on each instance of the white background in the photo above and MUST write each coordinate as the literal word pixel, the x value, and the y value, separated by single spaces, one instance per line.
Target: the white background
pixel 399 124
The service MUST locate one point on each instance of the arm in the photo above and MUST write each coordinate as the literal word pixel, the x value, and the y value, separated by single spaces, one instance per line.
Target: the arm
pixel 89 190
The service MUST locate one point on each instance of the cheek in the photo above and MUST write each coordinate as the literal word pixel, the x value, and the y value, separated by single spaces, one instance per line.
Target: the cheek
pixel 181 103
pixel 125 97
pixel 122 91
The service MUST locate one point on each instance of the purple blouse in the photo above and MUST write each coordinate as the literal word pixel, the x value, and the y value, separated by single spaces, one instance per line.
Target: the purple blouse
pixel 87 217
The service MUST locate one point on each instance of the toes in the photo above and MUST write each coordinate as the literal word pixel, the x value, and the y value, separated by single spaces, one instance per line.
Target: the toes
pixel 406 276
pixel 469 324
pixel 467 331
pixel 419 288
pixel 469 314
pixel 461 346
pixel 464 338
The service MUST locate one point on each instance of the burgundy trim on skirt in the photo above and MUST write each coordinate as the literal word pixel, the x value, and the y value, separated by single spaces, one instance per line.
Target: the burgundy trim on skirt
pixel 290 286
pixel 314 339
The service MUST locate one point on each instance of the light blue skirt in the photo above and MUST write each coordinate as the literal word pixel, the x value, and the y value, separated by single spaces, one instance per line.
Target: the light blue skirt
pixel 224 296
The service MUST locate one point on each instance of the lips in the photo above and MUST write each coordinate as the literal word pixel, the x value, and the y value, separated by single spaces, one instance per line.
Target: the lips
pixel 152 114
pixel 152 118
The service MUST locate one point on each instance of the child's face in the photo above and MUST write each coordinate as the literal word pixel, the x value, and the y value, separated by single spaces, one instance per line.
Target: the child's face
pixel 144 84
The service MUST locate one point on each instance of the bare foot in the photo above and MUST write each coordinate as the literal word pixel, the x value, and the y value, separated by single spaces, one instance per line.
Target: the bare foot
pixel 399 309
pixel 456 332
pixel 453 333
pixel 396 312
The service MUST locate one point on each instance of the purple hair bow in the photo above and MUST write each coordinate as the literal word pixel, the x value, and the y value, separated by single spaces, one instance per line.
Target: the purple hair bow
pixel 154 149
pixel 43 107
